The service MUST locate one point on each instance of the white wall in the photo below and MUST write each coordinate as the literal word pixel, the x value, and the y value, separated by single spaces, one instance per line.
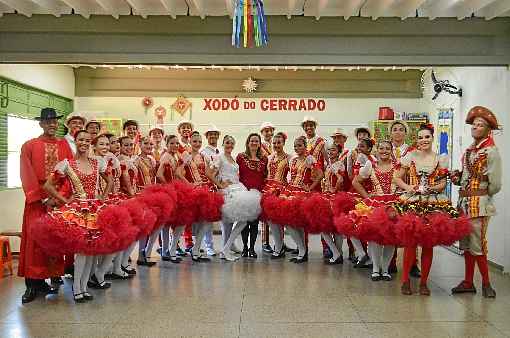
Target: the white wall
pixel 345 113
pixel 55 79
pixel 489 87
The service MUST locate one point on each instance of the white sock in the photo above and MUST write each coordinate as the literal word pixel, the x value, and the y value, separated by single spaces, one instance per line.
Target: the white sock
pixel 276 230
pixel 375 253
pixel 79 267
pixel 126 253
pixel 328 238
pixel 358 247
pixel 236 231
pixel 86 273
pixel 339 240
pixel 175 239
pixel 106 262
pixel 226 229
pixel 298 235
pixel 199 229
pixel 152 239
pixel 387 255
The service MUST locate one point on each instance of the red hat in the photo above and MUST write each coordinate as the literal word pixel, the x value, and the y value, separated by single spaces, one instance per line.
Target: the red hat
pixel 484 113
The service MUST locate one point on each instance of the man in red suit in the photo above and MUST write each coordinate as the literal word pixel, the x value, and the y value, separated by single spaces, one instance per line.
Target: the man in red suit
pixel 38 159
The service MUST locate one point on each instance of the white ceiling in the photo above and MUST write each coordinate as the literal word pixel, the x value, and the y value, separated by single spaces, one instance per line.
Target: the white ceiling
pixel 431 9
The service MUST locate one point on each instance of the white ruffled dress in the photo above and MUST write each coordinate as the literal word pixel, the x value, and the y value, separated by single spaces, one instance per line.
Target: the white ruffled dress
pixel 241 204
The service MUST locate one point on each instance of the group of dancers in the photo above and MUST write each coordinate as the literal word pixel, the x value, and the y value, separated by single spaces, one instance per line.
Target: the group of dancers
pixel 92 197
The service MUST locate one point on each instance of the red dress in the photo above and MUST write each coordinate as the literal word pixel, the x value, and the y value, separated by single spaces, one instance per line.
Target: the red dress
pixel 146 171
pixel 38 158
pixel 86 225
pixel 315 147
pixel 129 165
pixel 252 173
pixel 277 171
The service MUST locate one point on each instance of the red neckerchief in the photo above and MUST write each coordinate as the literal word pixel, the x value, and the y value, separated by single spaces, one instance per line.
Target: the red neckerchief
pixel 488 142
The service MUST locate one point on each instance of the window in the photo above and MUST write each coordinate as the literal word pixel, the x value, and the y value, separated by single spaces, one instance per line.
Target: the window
pixel 19 130
pixel 19 105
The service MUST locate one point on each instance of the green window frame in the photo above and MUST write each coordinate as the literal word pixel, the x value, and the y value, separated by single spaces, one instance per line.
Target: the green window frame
pixel 25 101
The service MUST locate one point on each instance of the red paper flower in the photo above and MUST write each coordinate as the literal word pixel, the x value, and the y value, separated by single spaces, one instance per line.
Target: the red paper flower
pixel 160 112
pixel 147 102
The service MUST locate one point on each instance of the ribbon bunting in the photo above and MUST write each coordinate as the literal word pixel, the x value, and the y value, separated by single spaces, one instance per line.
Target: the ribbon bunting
pixel 249 26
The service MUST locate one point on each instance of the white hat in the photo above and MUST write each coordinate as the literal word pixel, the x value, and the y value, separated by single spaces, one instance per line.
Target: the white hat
pixel 339 131
pixel 309 119
pixel 266 125
pixel 75 116
pixel 212 129
pixel 157 127
pixel 329 143
pixel 185 122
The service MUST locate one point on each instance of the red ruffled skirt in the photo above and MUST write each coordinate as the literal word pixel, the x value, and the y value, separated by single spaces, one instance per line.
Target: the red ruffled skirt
pixel 89 227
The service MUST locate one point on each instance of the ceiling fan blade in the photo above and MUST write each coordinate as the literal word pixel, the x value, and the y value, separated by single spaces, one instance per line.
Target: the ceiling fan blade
pixel 434 79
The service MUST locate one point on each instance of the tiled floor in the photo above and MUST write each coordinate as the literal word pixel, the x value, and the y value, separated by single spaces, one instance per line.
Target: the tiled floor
pixel 262 298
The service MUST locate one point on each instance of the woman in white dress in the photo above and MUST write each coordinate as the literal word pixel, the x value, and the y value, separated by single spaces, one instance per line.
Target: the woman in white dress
pixel 241 205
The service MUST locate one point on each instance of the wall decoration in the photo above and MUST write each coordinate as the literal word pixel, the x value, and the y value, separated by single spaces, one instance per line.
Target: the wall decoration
pixel 147 103
pixel 181 105
pixel 160 114
pixel 250 85
pixel 111 125
pixel 380 130
pixel 249 24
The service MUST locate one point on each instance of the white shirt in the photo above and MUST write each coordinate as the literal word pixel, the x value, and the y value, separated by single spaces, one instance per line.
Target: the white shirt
pixel 71 142
pixel 210 152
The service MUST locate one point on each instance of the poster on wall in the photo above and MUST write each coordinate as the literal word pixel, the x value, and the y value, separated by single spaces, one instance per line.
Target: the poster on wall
pixel 111 125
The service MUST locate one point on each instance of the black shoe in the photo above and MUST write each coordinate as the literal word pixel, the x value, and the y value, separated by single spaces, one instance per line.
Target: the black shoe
pixel 362 263
pixel 78 298
pixel 303 259
pixel 267 248
pixel 128 270
pixel 339 260
pixel 94 284
pixel 174 259
pixel 69 271
pixel 415 272
pixel 47 289
pixel 252 253
pixel 181 253
pixel 145 263
pixel 29 295
pixel 294 252
pixel 287 249
pixel 376 277
pixel 114 276
pixel 279 255
pixel 200 259
pixel 87 296
pixel 57 281
pixel 326 252
pixel 245 252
